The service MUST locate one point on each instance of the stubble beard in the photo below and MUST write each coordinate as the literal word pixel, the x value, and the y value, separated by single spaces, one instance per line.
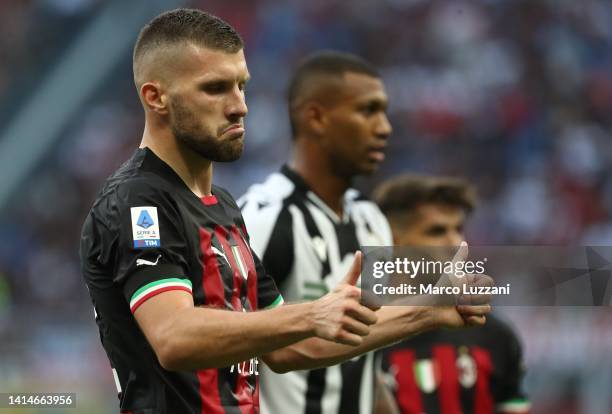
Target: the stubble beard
pixel 189 132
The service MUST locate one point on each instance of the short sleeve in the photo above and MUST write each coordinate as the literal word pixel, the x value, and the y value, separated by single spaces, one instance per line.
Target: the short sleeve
pixel 142 242
pixel 268 295
pixel 512 399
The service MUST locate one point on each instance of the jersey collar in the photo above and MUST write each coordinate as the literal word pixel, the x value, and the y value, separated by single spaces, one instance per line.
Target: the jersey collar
pixel 302 187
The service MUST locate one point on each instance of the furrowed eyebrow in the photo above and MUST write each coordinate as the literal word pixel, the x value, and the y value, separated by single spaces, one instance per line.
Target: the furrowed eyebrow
pixel 374 103
pixel 212 81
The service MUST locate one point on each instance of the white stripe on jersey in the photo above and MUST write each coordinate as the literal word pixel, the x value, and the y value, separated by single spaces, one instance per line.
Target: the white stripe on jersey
pixel 317 266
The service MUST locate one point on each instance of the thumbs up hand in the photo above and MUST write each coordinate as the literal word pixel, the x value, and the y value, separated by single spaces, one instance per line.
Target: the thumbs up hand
pixel 470 310
pixel 338 316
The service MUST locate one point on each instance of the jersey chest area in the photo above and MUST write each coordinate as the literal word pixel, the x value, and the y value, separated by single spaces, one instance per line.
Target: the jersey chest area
pixel 464 369
pixel 324 249
pixel 222 268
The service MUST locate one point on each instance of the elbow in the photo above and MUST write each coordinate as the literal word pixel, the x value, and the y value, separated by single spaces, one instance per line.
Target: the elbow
pixel 279 368
pixel 278 363
pixel 296 357
pixel 176 355
pixel 171 355
pixel 170 363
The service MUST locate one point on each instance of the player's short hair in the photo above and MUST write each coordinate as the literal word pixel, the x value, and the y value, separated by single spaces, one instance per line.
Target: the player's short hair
pixel 326 64
pixel 403 194
pixel 183 26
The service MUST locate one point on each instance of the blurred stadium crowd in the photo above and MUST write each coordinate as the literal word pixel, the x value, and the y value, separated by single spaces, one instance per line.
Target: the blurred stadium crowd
pixel 516 95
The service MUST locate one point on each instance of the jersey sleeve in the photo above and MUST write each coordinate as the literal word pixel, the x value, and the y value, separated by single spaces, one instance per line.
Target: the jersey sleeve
pixel 512 399
pixel 268 295
pixel 270 227
pixel 143 243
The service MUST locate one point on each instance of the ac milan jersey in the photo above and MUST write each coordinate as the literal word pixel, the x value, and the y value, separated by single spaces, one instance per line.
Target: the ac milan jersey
pixel 476 370
pixel 147 233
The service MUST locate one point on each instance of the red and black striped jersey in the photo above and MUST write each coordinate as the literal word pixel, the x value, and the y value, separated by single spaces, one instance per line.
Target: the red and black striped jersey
pixel 148 233
pixel 476 370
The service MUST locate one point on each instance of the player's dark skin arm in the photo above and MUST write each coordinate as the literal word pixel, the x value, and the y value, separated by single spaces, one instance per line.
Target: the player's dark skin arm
pixel 395 323
pixel 185 337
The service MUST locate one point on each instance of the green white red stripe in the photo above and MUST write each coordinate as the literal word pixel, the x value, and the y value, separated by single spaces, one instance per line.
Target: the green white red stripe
pixel 277 302
pixel 155 288
pixel 518 405
pixel 427 376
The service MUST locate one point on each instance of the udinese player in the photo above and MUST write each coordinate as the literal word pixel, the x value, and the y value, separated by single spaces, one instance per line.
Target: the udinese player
pixel 306 223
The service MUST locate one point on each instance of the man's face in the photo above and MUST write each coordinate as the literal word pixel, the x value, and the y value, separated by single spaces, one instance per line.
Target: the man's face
pixel 356 131
pixel 207 104
pixel 432 225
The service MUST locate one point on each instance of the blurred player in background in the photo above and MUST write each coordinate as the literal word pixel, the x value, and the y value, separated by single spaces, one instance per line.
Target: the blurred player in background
pixel 166 257
pixel 306 224
pixel 476 370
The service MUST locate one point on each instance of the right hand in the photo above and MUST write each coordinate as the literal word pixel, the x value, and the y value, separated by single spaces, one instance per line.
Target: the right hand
pixel 471 310
pixel 338 316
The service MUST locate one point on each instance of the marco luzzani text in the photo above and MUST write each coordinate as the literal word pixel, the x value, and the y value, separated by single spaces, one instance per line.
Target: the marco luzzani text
pixel 413 269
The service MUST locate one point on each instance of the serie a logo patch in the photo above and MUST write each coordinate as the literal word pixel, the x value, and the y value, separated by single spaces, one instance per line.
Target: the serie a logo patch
pixel 145 227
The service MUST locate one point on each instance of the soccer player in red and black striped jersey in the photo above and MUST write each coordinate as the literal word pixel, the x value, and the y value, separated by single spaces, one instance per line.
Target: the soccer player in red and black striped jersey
pixel 166 256
pixel 476 370
pixel 183 306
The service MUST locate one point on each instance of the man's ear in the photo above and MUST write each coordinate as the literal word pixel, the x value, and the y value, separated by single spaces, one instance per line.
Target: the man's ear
pixel 154 98
pixel 315 117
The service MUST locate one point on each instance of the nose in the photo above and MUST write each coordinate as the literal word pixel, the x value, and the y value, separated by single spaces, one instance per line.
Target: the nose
pixel 383 127
pixel 236 107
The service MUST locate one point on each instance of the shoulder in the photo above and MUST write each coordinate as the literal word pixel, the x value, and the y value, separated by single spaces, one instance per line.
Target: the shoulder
pixel 273 191
pixel 501 328
pixel 361 202
pixel 126 189
pixel 224 196
pixel 362 206
pixel 265 212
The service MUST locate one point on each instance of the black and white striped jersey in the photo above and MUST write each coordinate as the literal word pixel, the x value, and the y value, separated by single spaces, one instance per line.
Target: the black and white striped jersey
pixel 307 248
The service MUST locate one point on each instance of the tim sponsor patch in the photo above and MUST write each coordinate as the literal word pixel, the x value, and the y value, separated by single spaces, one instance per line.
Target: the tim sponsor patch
pixel 145 227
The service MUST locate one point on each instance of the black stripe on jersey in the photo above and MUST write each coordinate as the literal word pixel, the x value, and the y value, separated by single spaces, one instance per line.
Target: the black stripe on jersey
pixel 314 391
pixel 347 238
pixel 279 255
pixel 467 396
pixel 349 396
pixel 227 383
pixel 299 199
pixel 228 284
pixel 313 230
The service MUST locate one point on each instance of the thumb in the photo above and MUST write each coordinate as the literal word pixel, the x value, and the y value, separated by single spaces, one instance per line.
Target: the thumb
pixel 462 252
pixel 460 256
pixel 354 272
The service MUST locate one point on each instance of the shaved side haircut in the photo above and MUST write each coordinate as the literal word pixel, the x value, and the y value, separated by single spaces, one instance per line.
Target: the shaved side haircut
pixel 177 28
pixel 327 68
pixel 399 197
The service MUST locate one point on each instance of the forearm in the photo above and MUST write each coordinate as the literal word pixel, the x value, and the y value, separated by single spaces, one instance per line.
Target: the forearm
pixel 394 324
pixel 199 338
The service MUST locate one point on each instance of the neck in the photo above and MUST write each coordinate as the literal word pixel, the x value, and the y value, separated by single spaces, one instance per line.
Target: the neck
pixel 316 170
pixel 194 170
